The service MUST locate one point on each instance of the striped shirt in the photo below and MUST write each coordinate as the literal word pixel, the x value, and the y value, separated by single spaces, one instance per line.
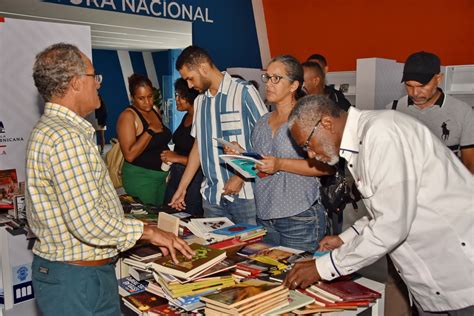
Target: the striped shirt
pixel 231 114
pixel 72 206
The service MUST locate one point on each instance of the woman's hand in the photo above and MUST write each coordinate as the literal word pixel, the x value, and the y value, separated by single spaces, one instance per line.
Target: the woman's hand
pixel 270 165
pixel 169 156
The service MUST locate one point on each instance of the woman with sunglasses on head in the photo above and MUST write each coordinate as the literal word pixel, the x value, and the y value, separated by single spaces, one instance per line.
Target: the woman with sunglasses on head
pixel 143 137
pixel 288 198
pixel 183 143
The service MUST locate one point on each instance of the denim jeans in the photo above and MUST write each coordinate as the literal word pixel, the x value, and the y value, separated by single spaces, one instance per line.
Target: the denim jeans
pixel 66 289
pixel 241 211
pixel 302 231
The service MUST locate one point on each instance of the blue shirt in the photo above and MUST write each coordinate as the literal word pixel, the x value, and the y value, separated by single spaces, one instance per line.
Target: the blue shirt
pixel 282 194
pixel 230 114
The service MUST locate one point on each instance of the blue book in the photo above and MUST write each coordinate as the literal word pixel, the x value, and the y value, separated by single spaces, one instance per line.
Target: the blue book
pixel 237 229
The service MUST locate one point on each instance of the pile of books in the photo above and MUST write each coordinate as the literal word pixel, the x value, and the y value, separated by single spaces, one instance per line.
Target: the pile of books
pixel 250 297
pixel 339 295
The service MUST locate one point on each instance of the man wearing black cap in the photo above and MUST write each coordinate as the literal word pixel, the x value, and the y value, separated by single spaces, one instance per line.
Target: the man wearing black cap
pixel 448 118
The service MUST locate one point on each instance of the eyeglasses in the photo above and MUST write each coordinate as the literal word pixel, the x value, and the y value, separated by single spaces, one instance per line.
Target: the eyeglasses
pixel 305 147
pixel 97 77
pixel 274 78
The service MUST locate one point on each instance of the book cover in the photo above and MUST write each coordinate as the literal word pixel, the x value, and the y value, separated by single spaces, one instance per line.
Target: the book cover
pixel 241 293
pixel 168 223
pixel 144 301
pixel 129 285
pixel 244 165
pixel 8 188
pixel 254 248
pixel 348 290
pixel 164 309
pixel 203 258
pixel 237 229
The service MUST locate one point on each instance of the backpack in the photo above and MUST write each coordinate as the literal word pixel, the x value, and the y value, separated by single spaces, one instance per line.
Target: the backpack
pixel 338 189
pixel 114 160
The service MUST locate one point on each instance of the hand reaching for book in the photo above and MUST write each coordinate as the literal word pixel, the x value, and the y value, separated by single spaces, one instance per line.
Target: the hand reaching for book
pixel 303 274
pixel 233 150
pixel 167 242
pixel 329 243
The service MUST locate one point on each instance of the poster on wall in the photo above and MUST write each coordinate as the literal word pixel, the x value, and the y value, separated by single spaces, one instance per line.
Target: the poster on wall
pixel 20 104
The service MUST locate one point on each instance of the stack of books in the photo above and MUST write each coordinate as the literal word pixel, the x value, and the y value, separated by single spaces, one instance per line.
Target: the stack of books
pixel 250 297
pixel 203 259
pixel 245 232
pixel 340 295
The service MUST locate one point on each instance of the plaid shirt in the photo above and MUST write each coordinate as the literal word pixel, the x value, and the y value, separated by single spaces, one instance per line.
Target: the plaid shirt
pixel 72 206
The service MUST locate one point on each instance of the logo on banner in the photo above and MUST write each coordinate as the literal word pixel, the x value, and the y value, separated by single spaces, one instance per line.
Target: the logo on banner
pixel 5 138
pixel 159 8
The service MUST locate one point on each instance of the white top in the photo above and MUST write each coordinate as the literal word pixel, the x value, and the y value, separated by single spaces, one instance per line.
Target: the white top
pixel 420 199
pixel 231 115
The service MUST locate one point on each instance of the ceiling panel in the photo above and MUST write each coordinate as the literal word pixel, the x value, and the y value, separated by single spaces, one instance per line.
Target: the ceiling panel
pixel 109 30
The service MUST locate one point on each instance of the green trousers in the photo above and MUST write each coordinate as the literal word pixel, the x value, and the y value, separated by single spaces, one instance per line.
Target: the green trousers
pixel 146 184
pixel 70 290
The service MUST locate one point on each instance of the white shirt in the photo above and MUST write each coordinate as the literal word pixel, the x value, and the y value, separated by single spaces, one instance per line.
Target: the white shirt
pixel 420 199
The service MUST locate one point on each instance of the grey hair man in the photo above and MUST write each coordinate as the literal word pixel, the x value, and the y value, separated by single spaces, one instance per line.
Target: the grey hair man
pixel 390 156
pixel 72 206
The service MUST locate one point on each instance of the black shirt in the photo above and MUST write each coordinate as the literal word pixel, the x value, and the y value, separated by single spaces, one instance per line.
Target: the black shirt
pixel 150 157
pixel 182 139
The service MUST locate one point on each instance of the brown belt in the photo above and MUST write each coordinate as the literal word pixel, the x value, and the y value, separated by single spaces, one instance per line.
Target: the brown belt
pixel 91 263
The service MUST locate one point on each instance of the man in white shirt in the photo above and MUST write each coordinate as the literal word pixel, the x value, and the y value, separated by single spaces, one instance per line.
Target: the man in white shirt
pixel 418 195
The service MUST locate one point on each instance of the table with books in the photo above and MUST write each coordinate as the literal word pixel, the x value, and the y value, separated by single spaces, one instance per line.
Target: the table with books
pixel 233 272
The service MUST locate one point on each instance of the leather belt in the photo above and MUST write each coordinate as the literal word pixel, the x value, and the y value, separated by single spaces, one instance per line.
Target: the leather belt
pixel 91 263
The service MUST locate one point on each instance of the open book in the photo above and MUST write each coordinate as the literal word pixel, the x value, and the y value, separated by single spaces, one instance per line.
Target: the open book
pixel 244 165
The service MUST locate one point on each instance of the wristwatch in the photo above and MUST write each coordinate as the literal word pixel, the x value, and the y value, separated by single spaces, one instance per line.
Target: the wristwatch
pixel 151 132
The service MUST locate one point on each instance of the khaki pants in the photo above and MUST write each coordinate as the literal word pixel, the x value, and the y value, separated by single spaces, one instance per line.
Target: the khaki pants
pixel 396 293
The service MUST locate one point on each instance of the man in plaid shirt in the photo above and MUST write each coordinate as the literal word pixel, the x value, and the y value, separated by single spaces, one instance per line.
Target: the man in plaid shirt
pixel 72 206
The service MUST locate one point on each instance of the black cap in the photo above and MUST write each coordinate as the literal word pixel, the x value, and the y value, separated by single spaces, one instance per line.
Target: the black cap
pixel 421 67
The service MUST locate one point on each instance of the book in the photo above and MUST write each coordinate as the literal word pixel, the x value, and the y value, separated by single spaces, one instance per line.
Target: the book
pixel 295 300
pixel 140 274
pixel 346 290
pixel 142 302
pixel 242 293
pixel 203 227
pixel 254 248
pixel 236 230
pixel 168 223
pixel 129 285
pixel 203 258
pixel 244 165
pixel 164 309
pixel 8 188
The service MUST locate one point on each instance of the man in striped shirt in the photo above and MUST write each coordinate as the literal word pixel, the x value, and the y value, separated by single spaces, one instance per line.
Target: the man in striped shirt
pixel 72 206
pixel 227 108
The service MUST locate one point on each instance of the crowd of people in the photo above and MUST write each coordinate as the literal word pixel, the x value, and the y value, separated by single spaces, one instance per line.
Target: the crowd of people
pixel 414 175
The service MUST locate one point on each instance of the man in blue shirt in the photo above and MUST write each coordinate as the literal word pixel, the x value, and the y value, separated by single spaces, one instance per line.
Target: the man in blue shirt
pixel 227 108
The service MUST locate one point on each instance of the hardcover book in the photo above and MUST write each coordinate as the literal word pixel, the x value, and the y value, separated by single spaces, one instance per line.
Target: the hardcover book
pixel 347 290
pixel 203 258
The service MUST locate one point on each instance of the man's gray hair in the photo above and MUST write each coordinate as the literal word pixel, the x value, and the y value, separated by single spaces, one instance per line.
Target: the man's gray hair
pixel 310 109
pixel 54 69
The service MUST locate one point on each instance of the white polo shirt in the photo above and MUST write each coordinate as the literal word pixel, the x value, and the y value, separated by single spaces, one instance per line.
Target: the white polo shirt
pixel 420 199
